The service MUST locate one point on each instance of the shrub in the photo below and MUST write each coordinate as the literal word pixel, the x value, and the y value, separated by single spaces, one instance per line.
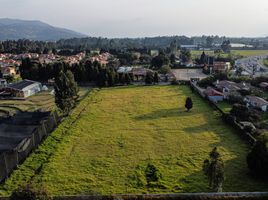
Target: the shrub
pixel 28 193
pixel 257 159
pixel 152 174
pixel 188 104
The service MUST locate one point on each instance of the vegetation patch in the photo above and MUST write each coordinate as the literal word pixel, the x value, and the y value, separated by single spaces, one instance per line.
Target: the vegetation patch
pixel 108 142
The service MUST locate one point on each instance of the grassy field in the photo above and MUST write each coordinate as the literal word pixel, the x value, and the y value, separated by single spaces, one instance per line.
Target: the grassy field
pixel 43 100
pixel 242 53
pixel 104 146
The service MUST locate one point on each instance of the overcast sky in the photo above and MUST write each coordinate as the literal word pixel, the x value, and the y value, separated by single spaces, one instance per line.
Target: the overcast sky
pixel 139 18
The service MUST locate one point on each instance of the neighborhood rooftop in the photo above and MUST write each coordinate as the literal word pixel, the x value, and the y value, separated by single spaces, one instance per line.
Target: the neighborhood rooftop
pixel 21 85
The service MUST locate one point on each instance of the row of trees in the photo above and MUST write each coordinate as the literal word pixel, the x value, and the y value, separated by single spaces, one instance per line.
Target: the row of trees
pixel 84 72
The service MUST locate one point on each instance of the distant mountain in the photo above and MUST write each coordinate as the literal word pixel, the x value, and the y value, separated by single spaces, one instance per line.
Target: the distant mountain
pixel 14 29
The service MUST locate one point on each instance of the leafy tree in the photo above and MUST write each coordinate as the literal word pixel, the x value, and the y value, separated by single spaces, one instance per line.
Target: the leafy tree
pixel 240 111
pixel 66 91
pixel 172 59
pixel 185 55
pixel 156 78
pixel 203 59
pixel 164 69
pixel 158 61
pixel 257 159
pixel 152 174
pixel 214 170
pixel 149 78
pixel 209 41
pixel 226 46
pixel 188 104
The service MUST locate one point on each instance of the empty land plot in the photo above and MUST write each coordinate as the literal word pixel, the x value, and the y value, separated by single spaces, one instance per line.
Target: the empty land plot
pixel 243 53
pixel 122 129
pixel 42 100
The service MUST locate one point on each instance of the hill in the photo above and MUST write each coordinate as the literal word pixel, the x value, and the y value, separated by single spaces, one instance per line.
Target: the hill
pixel 14 29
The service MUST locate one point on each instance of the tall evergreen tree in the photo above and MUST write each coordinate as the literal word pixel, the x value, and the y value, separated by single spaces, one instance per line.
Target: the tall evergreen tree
pixel 127 79
pixel 156 78
pixel 66 91
pixel 149 78
pixel 188 104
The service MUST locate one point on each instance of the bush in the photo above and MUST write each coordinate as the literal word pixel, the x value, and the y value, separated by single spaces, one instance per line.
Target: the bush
pixel 152 174
pixel 164 69
pixel 28 193
pixel 241 112
pixel 235 98
pixel 257 160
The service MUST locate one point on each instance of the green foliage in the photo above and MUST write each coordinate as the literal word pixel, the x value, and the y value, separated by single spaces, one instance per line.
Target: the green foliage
pixel 29 193
pixel 185 55
pixel 93 151
pixel 214 170
pixel 156 78
pixel 226 46
pixel 188 104
pixel 149 78
pixel 257 159
pixel 158 61
pixel 243 113
pixel 152 174
pixel 164 69
pixel 66 91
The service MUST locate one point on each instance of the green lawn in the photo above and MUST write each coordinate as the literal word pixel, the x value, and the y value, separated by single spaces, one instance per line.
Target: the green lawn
pixel 104 146
pixel 225 106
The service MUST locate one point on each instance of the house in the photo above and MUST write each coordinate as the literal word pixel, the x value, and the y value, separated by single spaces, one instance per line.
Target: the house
pixel 230 86
pixel 221 66
pixel 21 89
pixel 214 95
pixel 139 73
pixel 264 85
pixel 256 102
pixel 8 71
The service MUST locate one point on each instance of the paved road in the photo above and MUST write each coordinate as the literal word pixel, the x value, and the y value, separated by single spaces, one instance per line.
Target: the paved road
pixel 251 64
pixel 187 74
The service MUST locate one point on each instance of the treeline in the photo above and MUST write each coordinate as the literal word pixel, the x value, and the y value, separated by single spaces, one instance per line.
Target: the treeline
pixel 90 43
pixel 27 46
pixel 84 72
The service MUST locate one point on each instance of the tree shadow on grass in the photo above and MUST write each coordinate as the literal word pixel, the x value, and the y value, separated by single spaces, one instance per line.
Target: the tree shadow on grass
pixel 197 129
pixel 237 179
pixel 165 113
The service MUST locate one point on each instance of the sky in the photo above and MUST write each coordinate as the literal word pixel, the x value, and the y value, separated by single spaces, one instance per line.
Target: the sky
pixel 144 18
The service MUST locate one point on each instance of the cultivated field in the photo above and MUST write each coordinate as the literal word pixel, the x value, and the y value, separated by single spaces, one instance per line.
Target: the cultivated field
pixel 104 146
pixel 243 53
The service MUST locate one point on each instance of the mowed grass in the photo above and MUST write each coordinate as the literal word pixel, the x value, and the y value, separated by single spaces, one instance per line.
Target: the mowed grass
pixel 123 129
